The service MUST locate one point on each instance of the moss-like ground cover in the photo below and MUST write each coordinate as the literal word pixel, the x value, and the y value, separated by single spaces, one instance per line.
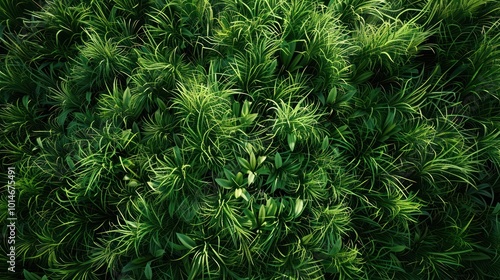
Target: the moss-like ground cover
pixel 259 139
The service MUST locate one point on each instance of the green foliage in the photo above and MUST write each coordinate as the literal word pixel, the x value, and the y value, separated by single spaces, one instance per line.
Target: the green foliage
pixel 297 124
pixel 387 47
pixel 262 139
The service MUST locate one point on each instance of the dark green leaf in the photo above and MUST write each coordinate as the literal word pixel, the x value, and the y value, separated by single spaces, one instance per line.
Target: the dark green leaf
pixel 148 272
pixel 224 183
pixel 244 163
pixel 291 138
pixel 278 162
pixel 30 276
pixel 186 240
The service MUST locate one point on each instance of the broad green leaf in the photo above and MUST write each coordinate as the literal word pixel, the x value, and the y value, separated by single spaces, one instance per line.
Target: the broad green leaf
pixel 177 140
pixel 299 206
pixel 186 240
pixel 321 98
pixel 253 161
pixel 272 207
pixel 239 178
pixel 332 96
pixel 148 272
pixel 307 238
pixel 361 78
pixel 249 147
pixel 70 163
pixel 246 195
pixel 158 253
pixel 299 61
pixel 241 192
pixel 398 248
pixel 171 209
pixel 236 108
pixel 133 183
pixel 249 119
pixel 126 97
pixel 177 156
pixel 135 128
pixel 176 247
pixel 246 108
pixel 30 276
pixel 88 96
pixel 61 119
pixel 161 104
pixel 229 175
pixel 238 192
pixel 26 101
pixel 476 256
pixel 244 163
pixel 325 143
pixel 226 184
pixel 288 50
pixel 274 185
pixel 291 138
pixel 263 171
pixel 262 214
pixel 251 177
pixel 251 217
pixel 496 210
pixel 260 160
pixel 135 264
pixel 278 161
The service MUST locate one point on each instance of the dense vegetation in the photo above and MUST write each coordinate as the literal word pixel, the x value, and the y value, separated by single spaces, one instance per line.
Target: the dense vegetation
pixel 252 139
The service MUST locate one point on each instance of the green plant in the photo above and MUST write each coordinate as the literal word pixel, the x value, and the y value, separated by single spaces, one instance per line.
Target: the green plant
pixel 261 139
